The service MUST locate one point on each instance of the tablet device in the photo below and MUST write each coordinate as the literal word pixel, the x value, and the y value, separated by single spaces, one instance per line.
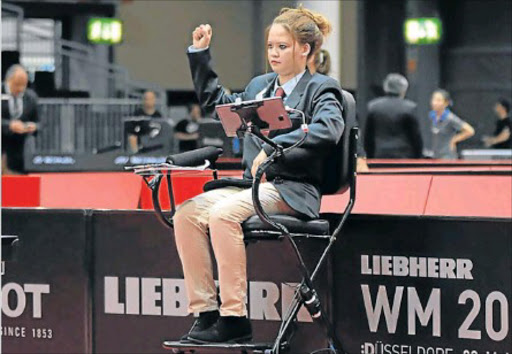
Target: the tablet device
pixel 268 114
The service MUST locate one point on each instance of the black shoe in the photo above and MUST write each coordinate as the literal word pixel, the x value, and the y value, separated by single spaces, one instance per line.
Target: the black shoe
pixel 229 329
pixel 205 321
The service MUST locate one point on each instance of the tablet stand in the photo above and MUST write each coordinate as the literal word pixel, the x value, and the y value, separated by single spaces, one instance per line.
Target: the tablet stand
pixel 252 123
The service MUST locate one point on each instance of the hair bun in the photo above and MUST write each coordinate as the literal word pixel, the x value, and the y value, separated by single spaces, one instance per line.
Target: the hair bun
pixel 285 9
pixel 306 26
pixel 321 21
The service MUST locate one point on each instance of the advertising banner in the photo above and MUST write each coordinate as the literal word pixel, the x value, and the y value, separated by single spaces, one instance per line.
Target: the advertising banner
pixel 111 282
pixel 140 297
pixel 45 287
pixel 418 285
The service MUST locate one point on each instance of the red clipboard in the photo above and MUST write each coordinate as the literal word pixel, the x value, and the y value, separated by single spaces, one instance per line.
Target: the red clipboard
pixel 268 113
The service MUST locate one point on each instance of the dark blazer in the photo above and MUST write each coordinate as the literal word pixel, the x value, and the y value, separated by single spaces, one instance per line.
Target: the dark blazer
pixel 13 144
pixel 392 130
pixel 318 96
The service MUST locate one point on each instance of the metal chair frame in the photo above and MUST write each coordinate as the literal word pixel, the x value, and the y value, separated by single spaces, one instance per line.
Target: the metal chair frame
pixel 305 293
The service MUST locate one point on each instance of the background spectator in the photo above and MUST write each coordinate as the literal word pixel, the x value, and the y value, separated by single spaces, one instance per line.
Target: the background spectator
pixel 148 110
pixel 187 130
pixel 447 129
pixel 320 62
pixel 501 138
pixel 19 118
pixel 392 130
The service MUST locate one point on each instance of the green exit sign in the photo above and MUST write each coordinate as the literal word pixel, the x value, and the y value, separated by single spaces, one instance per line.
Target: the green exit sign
pixel 426 30
pixel 105 30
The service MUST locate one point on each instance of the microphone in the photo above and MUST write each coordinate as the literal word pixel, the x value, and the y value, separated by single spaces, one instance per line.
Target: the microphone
pixel 195 157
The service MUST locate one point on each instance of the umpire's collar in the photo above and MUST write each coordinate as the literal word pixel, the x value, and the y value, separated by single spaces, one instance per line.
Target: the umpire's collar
pixel 296 92
pixel 289 85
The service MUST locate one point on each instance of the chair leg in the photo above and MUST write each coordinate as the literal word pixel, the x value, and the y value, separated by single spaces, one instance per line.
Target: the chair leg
pixel 310 299
pixel 299 300
pixel 307 295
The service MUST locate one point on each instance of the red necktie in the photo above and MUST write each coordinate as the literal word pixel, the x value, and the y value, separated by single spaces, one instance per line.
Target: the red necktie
pixel 280 92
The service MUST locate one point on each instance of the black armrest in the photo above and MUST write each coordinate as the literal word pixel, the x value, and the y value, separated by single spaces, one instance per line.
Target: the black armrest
pixel 195 157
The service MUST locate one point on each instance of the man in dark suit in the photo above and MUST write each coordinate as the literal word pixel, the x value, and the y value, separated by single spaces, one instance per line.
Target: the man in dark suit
pixel 392 129
pixel 19 118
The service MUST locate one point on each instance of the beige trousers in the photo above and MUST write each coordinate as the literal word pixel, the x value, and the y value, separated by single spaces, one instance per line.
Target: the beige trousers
pixel 221 212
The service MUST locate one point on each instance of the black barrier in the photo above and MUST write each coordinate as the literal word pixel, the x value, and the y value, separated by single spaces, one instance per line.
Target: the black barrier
pixel 108 161
pixel 424 285
pixel 140 298
pixel 45 289
pixel 409 285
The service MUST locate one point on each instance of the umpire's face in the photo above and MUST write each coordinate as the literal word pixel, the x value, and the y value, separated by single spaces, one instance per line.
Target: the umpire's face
pixel 286 56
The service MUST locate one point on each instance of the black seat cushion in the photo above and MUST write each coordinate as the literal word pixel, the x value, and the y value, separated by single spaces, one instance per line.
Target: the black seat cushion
pixel 294 225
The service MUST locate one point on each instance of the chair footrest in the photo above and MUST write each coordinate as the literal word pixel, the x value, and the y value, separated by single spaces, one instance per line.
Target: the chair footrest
pixel 178 347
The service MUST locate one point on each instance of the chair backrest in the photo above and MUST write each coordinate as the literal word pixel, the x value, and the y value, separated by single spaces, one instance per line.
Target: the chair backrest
pixel 339 167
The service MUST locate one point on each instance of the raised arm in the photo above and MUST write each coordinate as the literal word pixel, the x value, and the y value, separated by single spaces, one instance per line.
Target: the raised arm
pixel 206 82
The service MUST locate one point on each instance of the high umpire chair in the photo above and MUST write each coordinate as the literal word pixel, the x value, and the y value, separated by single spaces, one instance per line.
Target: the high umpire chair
pixel 339 176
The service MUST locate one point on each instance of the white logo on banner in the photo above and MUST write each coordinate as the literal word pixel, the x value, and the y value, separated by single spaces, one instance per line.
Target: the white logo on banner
pixel 167 297
pixel 384 302
pixel 21 293
pixel 421 267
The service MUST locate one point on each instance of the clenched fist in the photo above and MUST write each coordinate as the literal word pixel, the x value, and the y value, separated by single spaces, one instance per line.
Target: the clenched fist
pixel 202 36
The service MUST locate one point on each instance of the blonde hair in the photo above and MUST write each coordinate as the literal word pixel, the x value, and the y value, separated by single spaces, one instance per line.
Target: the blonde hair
pixel 305 26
